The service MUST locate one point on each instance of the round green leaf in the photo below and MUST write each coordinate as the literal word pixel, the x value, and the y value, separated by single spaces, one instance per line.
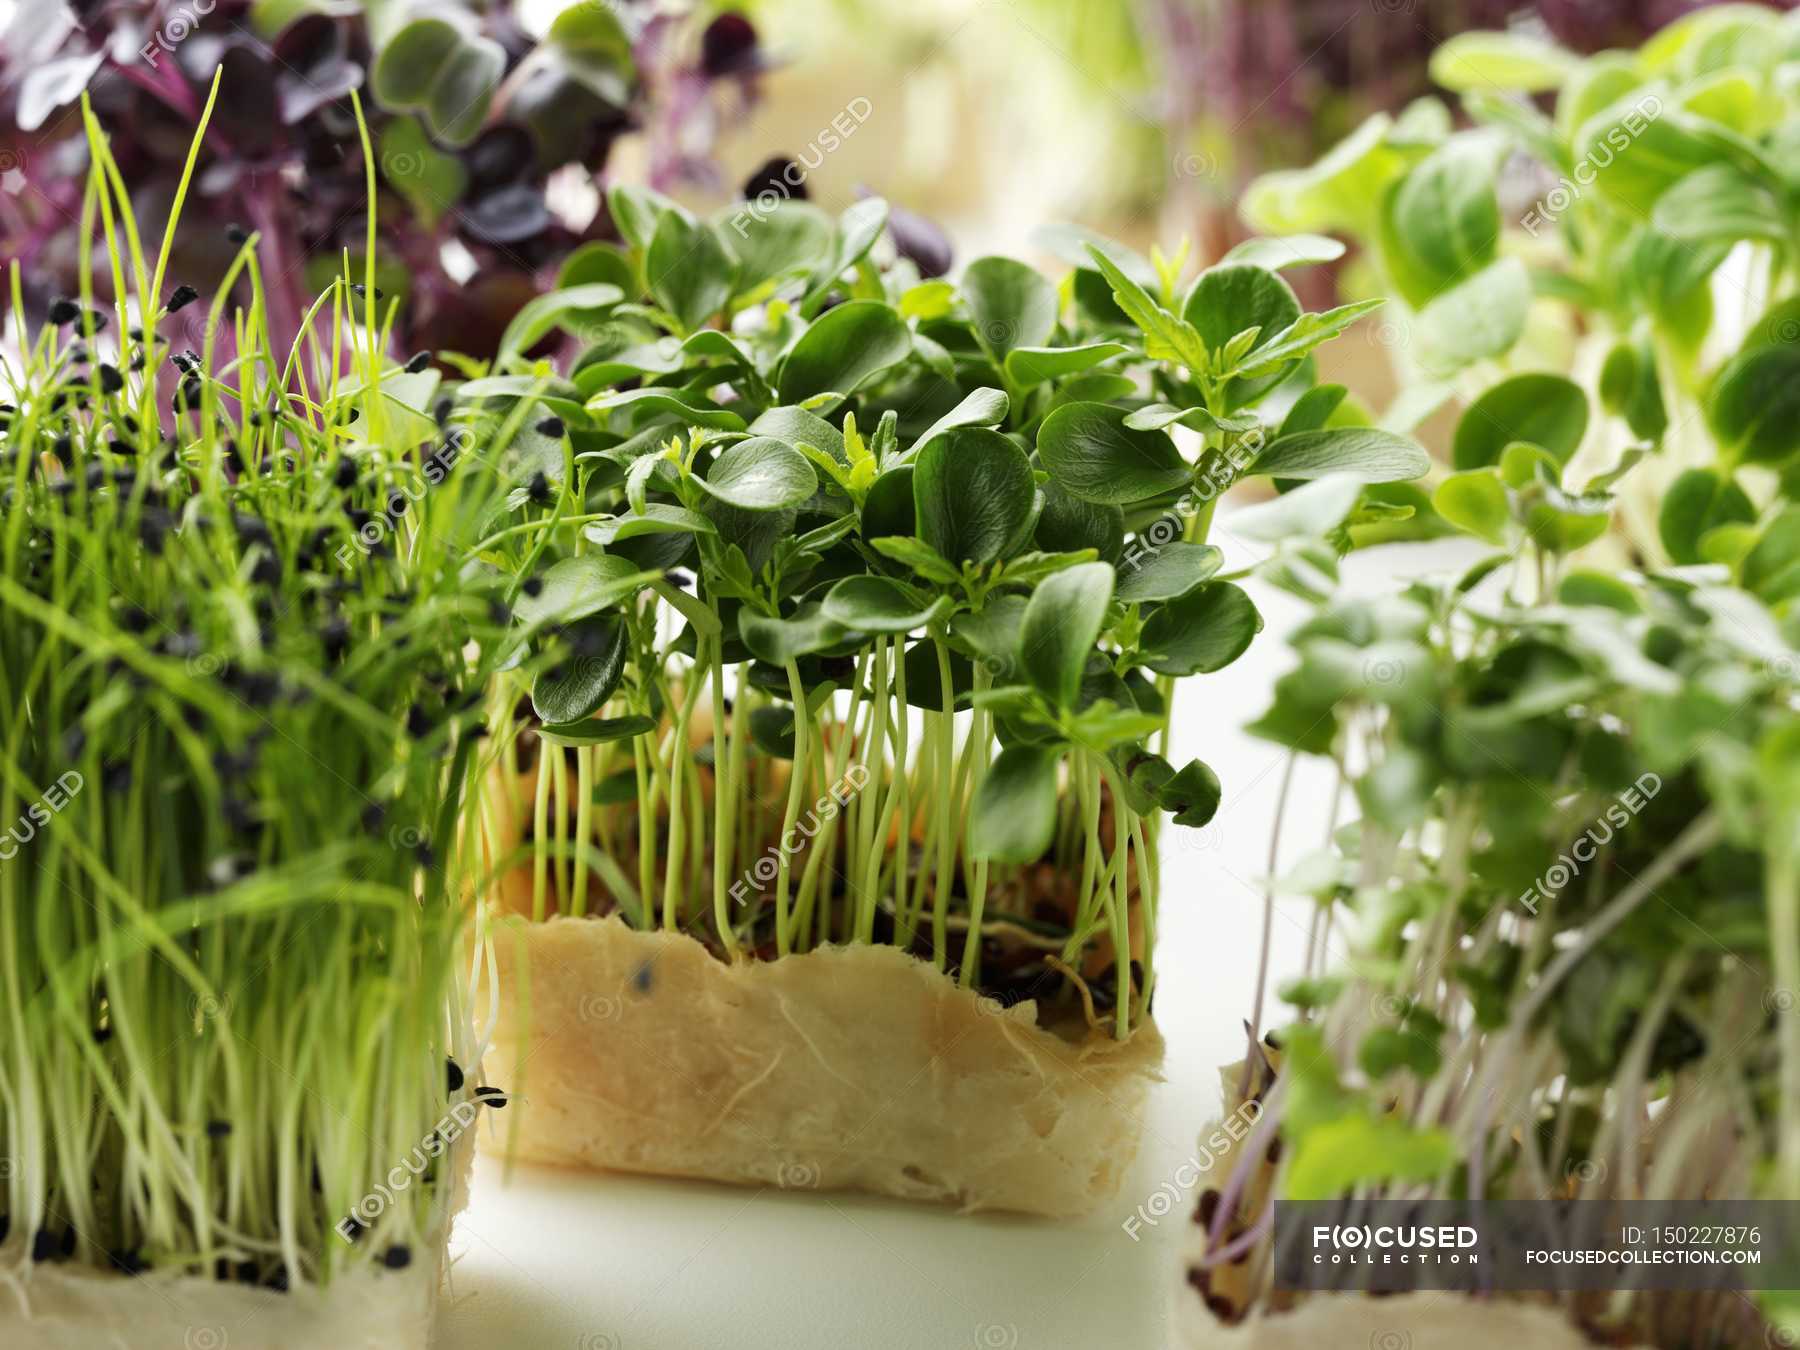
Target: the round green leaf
pixel 578 587
pixel 1013 816
pixel 1697 502
pixel 1204 631
pixel 847 346
pixel 1540 409
pixel 786 239
pixel 760 474
pixel 873 604
pixel 688 269
pixel 1166 572
pixel 1062 622
pixel 781 640
pixel 1475 502
pixel 1010 305
pixel 1368 454
pixel 1754 404
pixel 974 492
pixel 586 675
pixel 1092 453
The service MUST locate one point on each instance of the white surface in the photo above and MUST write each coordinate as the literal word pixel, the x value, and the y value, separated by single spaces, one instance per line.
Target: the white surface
pixel 580 1262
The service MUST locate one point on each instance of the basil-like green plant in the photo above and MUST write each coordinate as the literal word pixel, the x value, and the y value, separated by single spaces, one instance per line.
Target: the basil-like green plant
pixel 1649 170
pixel 240 719
pixel 858 599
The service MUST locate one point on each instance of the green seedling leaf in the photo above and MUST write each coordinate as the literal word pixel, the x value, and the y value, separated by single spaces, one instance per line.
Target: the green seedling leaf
pixel 845 348
pixel 779 641
pixel 1062 623
pixel 1292 250
pixel 975 494
pixel 692 410
pixel 1311 510
pixel 586 675
pixel 575 588
pixel 1028 367
pixel 1013 816
pixel 572 310
pixel 1204 631
pixel 1011 305
pixel 1541 409
pixel 1698 502
pixel 920 556
pixel 1475 319
pixel 783 242
pixel 872 604
pixel 597 730
pixel 1475 501
pixel 760 474
pixel 688 270
pixel 1167 572
pixel 1089 450
pixel 653 518
pixel 1510 61
pixel 1166 338
pixel 1368 454
pixel 1722 202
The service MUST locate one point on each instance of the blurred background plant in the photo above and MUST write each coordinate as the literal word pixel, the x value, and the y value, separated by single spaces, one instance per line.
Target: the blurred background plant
pixel 491 123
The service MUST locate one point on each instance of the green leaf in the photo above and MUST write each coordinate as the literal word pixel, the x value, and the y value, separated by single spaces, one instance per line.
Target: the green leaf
pixel 1772 568
pixel 1720 201
pixel 797 426
pixel 983 407
pixel 1587 587
pixel 1510 61
pixel 857 230
pixel 688 270
pixel 1440 224
pixel 1233 298
pixel 1089 450
pixel 1204 631
pixel 431 181
pixel 1062 623
pixel 1753 406
pixel 1068 524
pixel 1368 454
pixel 594 50
pixel 1191 796
pixel 1540 409
pixel 843 349
pixel 637 210
pixel 873 604
pixel 991 633
pixel 1010 304
pixel 1311 510
pixel 779 641
pixel 1166 572
pixel 596 730
pixel 760 474
pixel 1166 338
pixel 920 556
pixel 572 310
pixel 575 588
pixel 1697 502
pixel 1661 146
pixel 975 493
pixel 586 675
pixel 1475 319
pixel 1027 367
pixel 1013 816
pixel 1475 502
pixel 691 409
pixel 777 243
pixel 654 518
pixel 436 68
pixel 1630 387
pixel 1292 250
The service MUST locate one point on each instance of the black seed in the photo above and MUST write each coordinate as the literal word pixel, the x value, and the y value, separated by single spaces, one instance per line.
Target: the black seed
pixel 218 1129
pixel 533 587
pixel 453 1074
pixel 62 447
pixel 5 1226
pixel 128 1262
pixel 360 289
pixel 441 410
pixel 63 310
pixel 222 1269
pixel 111 381
pixel 335 634
pixel 490 1096
pixel 418 722
pixel 44 1245
pixel 247 1273
pixel 137 360
pixel 180 298
pixel 374 816
pixel 237 234
pixel 551 427
pixel 397 1257
pixel 643 978
pixel 102 1035
pixel 74 742
pixel 97 319
pixel 353 1228
pixel 419 364
pixel 116 777
pixel 538 489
